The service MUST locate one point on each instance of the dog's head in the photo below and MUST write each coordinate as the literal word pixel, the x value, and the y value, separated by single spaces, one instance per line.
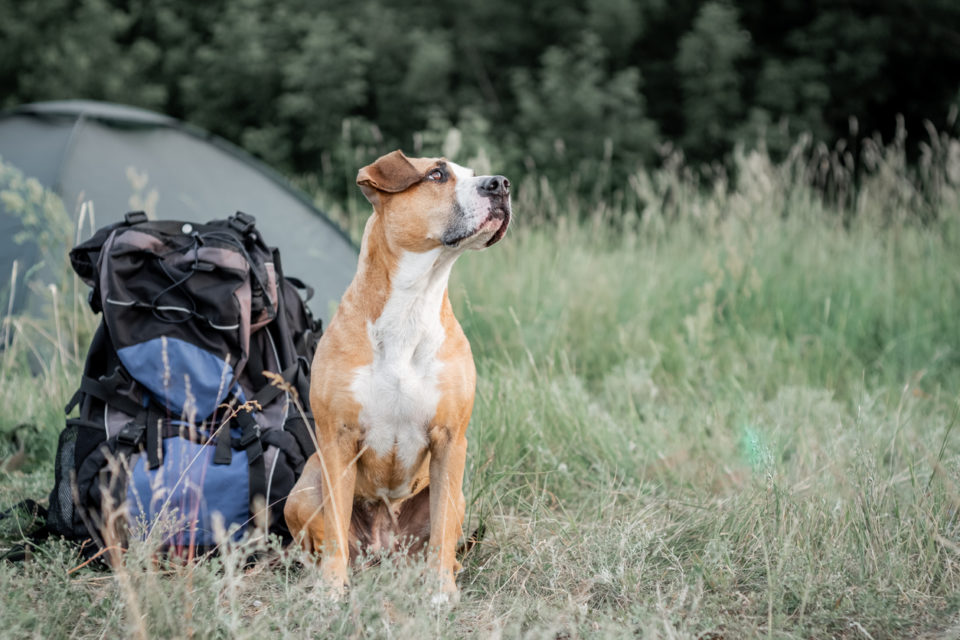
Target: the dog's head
pixel 432 202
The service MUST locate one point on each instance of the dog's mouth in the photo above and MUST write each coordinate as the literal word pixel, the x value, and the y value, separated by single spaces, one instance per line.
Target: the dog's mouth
pixel 501 215
pixel 497 221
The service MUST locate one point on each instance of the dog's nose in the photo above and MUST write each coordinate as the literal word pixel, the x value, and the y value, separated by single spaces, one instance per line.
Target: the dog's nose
pixel 495 186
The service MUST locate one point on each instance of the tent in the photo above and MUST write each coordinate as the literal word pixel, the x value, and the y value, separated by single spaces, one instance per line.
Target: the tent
pixel 123 158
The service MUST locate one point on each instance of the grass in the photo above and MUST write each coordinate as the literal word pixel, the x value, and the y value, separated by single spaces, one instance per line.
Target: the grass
pixel 703 411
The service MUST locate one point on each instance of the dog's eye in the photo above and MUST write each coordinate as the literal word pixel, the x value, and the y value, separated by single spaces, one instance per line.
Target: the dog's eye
pixel 436 175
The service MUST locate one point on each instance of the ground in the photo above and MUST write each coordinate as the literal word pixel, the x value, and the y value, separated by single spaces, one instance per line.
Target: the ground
pixel 722 414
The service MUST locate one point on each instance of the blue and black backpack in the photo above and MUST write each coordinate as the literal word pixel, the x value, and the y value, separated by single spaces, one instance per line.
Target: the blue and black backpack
pixel 186 412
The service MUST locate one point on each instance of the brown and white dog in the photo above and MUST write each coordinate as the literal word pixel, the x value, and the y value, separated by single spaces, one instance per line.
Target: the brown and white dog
pixel 393 379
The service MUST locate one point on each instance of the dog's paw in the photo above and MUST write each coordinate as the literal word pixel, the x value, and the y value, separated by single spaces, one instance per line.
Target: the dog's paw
pixel 321 593
pixel 446 595
pixel 331 589
pixel 445 599
pixel 336 592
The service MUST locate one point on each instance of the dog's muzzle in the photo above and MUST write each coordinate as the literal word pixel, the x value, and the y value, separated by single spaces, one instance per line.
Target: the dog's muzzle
pixel 497 188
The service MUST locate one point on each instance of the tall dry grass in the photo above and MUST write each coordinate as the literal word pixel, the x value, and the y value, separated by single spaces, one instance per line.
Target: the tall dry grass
pixel 715 407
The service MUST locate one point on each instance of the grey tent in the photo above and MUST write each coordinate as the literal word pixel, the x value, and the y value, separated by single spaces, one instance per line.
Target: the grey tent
pixel 123 158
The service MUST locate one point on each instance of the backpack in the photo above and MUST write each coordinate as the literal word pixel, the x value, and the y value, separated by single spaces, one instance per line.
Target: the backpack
pixel 186 419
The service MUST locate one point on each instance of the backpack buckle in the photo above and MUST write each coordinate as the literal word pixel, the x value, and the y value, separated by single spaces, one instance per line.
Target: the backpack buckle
pixel 119 378
pixel 249 429
pixel 242 222
pixel 131 435
pixel 134 217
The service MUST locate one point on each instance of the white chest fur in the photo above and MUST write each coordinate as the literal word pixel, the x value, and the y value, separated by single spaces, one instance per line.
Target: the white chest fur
pixel 398 392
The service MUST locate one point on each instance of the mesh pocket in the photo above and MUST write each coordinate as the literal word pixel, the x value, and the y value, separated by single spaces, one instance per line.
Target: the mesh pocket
pixel 60 517
pixel 77 441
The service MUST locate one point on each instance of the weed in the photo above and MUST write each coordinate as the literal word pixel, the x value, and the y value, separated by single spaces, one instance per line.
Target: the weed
pixel 703 411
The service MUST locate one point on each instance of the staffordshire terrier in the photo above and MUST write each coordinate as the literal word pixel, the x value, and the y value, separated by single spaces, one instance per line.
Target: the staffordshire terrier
pixel 393 379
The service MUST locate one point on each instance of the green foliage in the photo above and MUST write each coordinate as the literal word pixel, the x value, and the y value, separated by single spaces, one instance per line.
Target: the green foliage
pixel 61 49
pixel 573 113
pixel 707 64
pixel 41 212
pixel 617 23
pixel 45 227
pixel 584 92
pixel 47 338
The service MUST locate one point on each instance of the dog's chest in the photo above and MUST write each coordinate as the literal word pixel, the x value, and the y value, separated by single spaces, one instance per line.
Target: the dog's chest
pixel 398 391
pixel 398 395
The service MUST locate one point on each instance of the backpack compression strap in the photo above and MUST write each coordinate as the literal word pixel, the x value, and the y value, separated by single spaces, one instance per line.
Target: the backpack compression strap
pixel 146 420
pixel 250 442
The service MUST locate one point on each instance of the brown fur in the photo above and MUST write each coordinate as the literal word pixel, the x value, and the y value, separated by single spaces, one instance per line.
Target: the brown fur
pixel 335 507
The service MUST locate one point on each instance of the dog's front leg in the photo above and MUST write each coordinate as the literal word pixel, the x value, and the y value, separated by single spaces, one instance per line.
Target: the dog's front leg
pixel 338 456
pixel 448 453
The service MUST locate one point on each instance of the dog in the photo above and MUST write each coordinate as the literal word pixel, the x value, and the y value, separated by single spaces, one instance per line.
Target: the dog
pixel 393 379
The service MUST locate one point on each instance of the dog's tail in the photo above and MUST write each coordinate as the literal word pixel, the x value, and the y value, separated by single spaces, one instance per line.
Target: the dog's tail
pixel 472 540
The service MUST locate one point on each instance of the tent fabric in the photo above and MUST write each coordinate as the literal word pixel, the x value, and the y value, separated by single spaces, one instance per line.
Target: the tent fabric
pixel 124 158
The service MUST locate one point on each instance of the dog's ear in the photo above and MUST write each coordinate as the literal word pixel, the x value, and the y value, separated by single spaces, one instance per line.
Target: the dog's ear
pixel 391 173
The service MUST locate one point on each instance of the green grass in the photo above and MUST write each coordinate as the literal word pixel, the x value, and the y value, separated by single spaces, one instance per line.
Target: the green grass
pixel 729 412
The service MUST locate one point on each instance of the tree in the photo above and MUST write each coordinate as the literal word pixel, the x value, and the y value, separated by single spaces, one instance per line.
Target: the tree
pixel 64 49
pixel 707 65
pixel 573 114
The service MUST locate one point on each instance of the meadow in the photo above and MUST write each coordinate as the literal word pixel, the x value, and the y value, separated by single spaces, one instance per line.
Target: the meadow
pixel 706 408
